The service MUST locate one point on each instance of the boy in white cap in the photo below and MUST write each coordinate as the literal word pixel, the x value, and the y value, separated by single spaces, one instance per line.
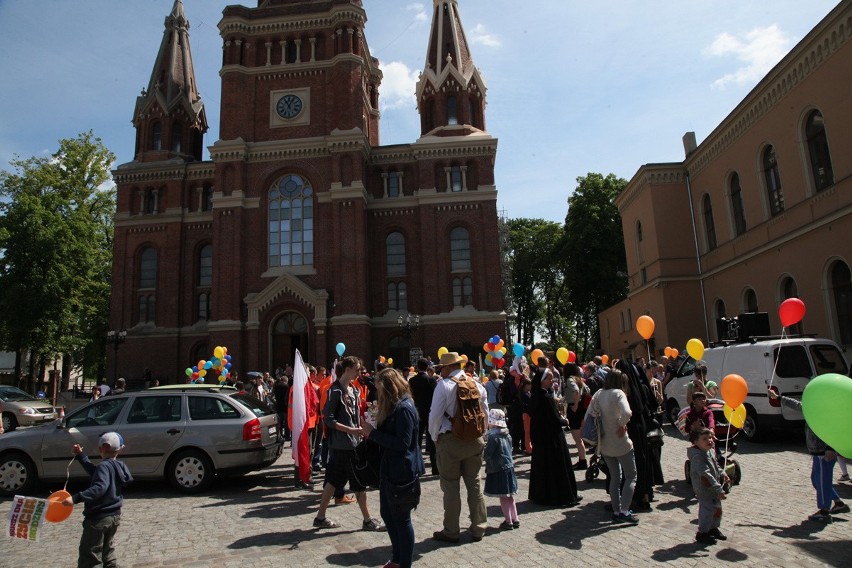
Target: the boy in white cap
pixel 103 500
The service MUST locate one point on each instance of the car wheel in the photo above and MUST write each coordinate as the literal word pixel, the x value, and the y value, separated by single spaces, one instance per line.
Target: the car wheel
pixel 17 474
pixel 9 422
pixel 751 426
pixel 190 471
pixel 672 410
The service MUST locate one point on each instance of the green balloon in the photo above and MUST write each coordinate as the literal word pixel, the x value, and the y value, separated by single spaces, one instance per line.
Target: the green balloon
pixel 826 403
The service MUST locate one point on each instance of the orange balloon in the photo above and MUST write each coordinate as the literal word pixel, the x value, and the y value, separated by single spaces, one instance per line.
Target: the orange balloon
pixel 675 353
pixel 734 390
pixel 605 358
pixel 645 326
pixel 56 511
pixel 667 351
pixel 535 356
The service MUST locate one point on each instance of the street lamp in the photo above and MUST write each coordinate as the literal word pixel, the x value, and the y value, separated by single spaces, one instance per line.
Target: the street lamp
pixel 116 337
pixel 408 325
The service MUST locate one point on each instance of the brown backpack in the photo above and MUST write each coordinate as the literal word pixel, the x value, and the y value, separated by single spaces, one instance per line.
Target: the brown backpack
pixel 469 421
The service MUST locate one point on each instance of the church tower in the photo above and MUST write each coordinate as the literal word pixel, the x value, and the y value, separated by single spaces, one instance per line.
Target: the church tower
pixel 450 91
pixel 169 118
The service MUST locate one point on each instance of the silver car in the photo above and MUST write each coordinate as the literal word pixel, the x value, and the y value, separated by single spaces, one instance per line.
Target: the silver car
pixel 23 409
pixel 186 434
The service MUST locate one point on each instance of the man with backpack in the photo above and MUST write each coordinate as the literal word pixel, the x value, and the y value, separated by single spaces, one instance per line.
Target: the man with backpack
pixel 457 425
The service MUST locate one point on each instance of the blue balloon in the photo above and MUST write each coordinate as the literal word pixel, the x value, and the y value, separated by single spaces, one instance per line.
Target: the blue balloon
pixel 195 368
pixel 228 358
pixel 208 365
pixel 518 349
pixel 340 349
pixel 495 340
pixel 215 361
pixel 497 354
pixel 227 367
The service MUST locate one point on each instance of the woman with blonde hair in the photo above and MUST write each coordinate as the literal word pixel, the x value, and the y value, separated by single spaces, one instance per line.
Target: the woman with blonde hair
pixel 401 465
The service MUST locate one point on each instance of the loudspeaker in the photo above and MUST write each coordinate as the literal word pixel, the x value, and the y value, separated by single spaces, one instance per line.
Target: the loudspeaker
pixel 753 324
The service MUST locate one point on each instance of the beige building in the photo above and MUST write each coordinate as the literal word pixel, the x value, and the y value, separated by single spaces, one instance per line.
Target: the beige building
pixel 759 212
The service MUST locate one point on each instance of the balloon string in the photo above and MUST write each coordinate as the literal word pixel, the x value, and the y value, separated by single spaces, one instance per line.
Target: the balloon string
pixel 775 366
pixel 68 473
pixel 727 439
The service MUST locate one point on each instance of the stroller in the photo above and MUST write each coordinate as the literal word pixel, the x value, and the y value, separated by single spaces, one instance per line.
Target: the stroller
pixel 596 464
pixel 724 434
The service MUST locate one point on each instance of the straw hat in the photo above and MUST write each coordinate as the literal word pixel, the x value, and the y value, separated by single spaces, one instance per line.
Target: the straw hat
pixel 450 358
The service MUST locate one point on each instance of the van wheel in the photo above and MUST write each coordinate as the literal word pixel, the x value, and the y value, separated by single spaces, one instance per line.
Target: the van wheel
pixel 751 426
pixel 672 410
pixel 17 474
pixel 190 471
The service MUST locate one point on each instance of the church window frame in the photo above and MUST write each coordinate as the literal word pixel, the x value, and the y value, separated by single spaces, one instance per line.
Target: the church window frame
pixel 290 222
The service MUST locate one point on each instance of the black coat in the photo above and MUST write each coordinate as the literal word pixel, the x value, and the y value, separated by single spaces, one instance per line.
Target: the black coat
pixel 422 389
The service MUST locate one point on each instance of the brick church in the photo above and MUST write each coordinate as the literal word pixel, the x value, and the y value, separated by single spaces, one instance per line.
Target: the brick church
pixel 302 231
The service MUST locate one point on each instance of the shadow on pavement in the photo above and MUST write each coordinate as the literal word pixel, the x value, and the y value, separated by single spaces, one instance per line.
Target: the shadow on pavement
pixel 290 539
pixel 805 530
pixel 679 551
pixel 836 553
pixel 590 516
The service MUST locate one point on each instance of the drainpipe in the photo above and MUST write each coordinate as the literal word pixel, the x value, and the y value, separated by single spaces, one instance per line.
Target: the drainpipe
pixel 697 257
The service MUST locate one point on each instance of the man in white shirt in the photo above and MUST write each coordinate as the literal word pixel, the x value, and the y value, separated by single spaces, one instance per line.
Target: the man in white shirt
pixel 457 459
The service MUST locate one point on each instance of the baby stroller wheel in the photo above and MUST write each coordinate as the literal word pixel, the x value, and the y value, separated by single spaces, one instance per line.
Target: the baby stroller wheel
pixel 686 475
pixel 592 473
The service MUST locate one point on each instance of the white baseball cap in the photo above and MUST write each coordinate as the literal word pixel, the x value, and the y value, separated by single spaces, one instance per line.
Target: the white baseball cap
pixel 111 439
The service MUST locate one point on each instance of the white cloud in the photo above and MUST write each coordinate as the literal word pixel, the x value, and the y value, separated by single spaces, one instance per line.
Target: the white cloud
pixel 759 50
pixel 419 10
pixel 398 85
pixel 482 37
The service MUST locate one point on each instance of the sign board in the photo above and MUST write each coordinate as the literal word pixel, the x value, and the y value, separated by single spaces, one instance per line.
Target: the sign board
pixel 414 354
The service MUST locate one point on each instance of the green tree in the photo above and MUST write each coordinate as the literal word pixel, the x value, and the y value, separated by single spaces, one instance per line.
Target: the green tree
pixel 593 249
pixel 56 251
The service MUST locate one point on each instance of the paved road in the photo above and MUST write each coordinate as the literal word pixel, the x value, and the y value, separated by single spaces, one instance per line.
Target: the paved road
pixel 260 520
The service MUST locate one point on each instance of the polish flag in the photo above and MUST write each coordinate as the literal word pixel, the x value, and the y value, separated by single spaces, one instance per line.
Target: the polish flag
pixel 301 451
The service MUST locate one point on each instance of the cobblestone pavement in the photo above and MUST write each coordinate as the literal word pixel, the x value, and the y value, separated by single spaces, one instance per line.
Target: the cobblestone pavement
pixel 261 520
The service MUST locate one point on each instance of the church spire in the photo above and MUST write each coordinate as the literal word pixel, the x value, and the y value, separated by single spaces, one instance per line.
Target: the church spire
pixel 169 115
pixel 450 91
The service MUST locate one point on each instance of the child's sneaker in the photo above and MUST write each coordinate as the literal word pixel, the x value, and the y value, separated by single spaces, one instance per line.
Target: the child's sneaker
pixel 372 524
pixel 325 524
pixel 717 534
pixel 821 516
pixel 704 538
pixel 839 507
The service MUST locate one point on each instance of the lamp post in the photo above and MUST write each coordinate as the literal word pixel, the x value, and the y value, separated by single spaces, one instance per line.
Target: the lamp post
pixel 116 337
pixel 409 326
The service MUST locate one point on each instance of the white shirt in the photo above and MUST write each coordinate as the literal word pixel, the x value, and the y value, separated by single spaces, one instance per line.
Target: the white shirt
pixel 444 404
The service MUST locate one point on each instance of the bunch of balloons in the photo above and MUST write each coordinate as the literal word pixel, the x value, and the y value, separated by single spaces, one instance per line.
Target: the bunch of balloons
pixel 219 362
pixel 382 359
pixel 734 391
pixel 494 352
pixel 564 356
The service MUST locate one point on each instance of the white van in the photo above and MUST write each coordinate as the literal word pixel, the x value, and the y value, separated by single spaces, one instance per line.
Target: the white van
pixel 788 363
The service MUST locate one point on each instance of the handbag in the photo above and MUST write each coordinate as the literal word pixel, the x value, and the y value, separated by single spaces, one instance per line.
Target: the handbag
pixel 368 458
pixel 404 498
pixel 656 435
pixel 590 430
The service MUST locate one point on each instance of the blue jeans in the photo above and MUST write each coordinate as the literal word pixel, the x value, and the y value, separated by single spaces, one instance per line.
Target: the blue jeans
pixel 400 530
pixel 822 477
pixel 618 466
pixel 96 547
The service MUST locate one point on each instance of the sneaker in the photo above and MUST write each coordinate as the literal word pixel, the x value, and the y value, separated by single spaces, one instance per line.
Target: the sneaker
pixel 821 516
pixel 581 465
pixel 844 477
pixel 506 526
pixel 345 500
pixel 516 524
pixel 839 507
pixel 441 536
pixel 628 518
pixel 704 538
pixel 325 524
pixel 372 524
pixel 717 534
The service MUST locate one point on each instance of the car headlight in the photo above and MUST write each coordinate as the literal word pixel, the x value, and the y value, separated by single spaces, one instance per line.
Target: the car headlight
pixel 27 410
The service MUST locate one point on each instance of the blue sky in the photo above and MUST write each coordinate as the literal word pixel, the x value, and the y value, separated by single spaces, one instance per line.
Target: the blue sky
pixel 574 86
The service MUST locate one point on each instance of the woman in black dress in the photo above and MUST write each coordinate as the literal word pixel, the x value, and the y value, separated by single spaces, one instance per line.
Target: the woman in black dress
pixel 552 479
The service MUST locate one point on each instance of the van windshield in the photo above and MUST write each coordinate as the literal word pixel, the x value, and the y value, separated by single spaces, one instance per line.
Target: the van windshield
pixel 792 361
pixel 828 360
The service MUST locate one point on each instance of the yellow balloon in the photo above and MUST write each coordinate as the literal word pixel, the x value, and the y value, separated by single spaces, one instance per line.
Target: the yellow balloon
pixel 736 416
pixel 202 372
pixel 218 352
pixel 562 355
pixel 390 360
pixel 442 351
pixel 695 348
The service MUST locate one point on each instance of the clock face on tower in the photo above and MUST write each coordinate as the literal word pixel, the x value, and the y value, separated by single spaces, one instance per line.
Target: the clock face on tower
pixel 289 106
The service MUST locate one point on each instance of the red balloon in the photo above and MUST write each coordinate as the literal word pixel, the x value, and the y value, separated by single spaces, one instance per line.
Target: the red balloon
pixel 491 346
pixel 792 311
pixel 572 357
pixel 500 363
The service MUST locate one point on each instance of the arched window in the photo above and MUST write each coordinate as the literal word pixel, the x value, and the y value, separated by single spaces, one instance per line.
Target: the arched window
pixel 455 179
pixel 397 296
pixel 841 290
pixel 719 308
pixel 177 135
pixel 452 111
pixel 462 291
pixel 156 136
pixel 818 151
pixel 773 181
pixel 709 225
pixel 291 222
pixel 204 306
pixel 395 246
pixel 394 184
pixel 148 268
pixel 737 208
pixel 789 289
pixel 750 301
pixel 205 266
pixel 459 249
